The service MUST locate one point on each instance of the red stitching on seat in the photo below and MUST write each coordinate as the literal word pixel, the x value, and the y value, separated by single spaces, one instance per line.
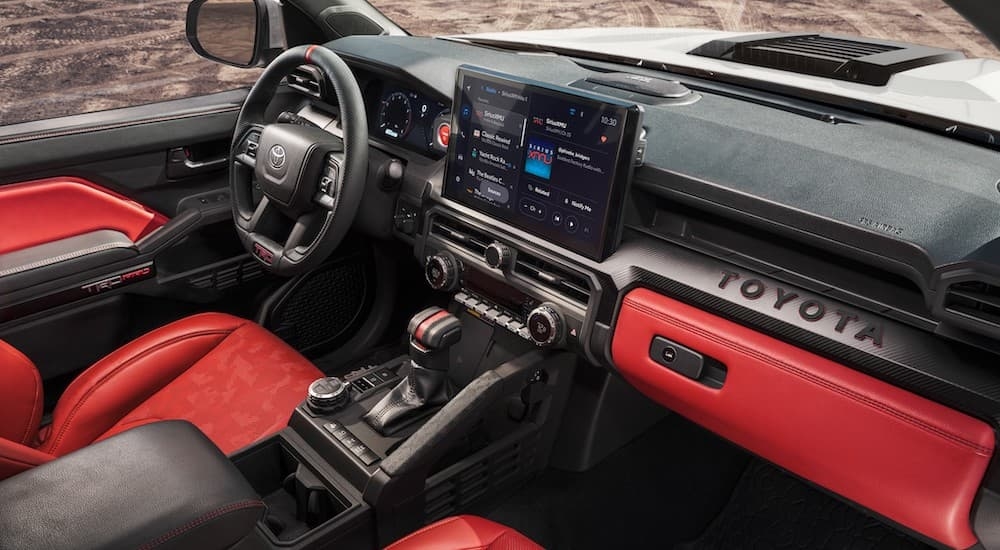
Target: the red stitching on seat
pixel 234 507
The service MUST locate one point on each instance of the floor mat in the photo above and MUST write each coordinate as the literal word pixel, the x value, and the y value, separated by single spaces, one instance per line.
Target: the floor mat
pixel 662 488
pixel 772 510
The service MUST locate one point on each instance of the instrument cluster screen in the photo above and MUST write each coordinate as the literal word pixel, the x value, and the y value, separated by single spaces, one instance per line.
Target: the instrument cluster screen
pixel 553 162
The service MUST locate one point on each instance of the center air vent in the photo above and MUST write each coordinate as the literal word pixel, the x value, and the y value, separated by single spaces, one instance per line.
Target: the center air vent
pixel 544 274
pixel 461 235
pixel 557 279
pixel 976 302
pixel 308 80
pixel 859 60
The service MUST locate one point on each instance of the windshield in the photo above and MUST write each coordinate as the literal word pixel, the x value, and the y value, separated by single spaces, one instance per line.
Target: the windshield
pixel 927 22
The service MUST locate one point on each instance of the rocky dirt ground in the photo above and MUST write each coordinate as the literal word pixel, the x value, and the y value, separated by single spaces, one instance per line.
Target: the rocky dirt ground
pixel 70 56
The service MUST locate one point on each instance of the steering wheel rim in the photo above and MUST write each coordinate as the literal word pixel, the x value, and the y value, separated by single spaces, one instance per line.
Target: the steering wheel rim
pixel 310 181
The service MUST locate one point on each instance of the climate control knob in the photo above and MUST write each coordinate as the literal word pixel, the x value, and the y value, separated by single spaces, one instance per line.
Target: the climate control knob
pixel 497 256
pixel 545 325
pixel 442 271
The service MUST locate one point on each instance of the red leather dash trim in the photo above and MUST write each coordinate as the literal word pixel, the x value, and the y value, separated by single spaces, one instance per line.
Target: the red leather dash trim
pixel 907 458
pixel 37 212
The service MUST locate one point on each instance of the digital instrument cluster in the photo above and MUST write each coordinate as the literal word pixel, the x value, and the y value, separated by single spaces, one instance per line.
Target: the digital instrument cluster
pixel 409 118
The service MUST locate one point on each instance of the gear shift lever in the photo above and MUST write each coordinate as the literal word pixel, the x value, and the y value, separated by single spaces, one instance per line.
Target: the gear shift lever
pixel 432 333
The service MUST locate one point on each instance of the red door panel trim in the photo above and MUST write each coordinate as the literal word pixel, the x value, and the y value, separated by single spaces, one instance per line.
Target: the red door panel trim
pixel 907 458
pixel 41 211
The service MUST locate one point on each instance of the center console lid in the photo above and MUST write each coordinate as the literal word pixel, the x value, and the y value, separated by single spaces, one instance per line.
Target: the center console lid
pixel 162 485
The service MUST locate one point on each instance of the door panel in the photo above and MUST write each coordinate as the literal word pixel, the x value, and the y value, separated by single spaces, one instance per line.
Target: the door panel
pixel 42 211
pixel 112 170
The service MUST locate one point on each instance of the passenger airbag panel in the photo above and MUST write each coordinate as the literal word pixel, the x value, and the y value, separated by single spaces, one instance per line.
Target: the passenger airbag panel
pixel 909 459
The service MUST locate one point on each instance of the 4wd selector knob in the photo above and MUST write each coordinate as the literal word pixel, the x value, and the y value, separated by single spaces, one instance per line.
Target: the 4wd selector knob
pixel 442 271
pixel 545 325
pixel 327 395
pixel 497 255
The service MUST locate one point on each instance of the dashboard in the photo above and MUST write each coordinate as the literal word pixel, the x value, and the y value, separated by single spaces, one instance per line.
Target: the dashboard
pixel 792 224
pixel 747 204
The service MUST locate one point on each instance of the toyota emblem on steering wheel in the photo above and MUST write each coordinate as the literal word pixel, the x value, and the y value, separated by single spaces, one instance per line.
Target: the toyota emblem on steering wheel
pixel 276 157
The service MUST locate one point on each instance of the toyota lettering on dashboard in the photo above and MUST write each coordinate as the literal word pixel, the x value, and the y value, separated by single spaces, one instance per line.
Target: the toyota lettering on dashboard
pixel 555 162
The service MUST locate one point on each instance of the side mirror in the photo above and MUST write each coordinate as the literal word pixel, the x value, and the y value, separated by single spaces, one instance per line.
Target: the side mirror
pixel 241 33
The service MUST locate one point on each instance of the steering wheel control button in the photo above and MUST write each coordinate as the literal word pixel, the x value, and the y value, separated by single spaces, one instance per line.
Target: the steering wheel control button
pixel 442 271
pixel 677 358
pixel 327 395
pixel 498 256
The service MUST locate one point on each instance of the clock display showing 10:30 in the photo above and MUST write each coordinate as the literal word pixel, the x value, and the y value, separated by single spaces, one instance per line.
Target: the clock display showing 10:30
pixel 609 120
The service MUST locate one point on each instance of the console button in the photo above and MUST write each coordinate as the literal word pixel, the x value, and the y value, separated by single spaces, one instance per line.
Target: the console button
pixel 373 379
pixel 368 457
pixel 502 319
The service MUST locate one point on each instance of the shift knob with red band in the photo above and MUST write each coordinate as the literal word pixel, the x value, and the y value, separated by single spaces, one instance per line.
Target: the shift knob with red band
pixel 435 329
pixel 426 386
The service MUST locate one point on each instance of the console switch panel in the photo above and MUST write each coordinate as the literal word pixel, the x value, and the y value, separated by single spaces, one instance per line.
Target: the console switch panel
pixel 677 358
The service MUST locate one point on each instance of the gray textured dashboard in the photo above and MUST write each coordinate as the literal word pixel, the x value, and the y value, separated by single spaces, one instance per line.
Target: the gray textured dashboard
pixel 819 180
pixel 912 200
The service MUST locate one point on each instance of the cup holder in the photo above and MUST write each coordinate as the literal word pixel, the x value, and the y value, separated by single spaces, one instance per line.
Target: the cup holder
pixel 297 499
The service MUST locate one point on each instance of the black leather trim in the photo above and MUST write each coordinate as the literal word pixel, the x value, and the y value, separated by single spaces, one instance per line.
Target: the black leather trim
pixel 161 485
pixel 50 261
pixel 63 250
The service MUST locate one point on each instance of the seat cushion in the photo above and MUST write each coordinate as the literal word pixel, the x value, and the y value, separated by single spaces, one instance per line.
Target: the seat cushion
pixel 230 377
pixel 465 533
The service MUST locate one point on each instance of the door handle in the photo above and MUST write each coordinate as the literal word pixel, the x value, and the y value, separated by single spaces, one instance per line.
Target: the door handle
pixel 181 165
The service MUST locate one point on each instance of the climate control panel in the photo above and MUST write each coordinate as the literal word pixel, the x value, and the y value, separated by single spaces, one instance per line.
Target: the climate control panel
pixel 542 325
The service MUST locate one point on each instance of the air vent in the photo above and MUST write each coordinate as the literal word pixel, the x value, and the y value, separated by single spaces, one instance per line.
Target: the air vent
pixel 974 301
pixel 461 235
pixel 306 79
pixel 564 283
pixel 859 60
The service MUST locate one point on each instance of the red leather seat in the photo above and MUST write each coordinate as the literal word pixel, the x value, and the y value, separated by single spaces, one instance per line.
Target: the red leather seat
pixel 230 377
pixel 465 533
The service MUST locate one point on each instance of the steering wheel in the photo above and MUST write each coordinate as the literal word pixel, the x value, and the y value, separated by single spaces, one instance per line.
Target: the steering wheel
pixel 295 187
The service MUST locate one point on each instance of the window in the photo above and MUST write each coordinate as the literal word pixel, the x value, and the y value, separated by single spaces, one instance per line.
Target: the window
pixel 69 57
pixel 927 22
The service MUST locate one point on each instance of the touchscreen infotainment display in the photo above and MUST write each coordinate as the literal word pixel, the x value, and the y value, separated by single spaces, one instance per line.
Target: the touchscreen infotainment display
pixel 555 163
